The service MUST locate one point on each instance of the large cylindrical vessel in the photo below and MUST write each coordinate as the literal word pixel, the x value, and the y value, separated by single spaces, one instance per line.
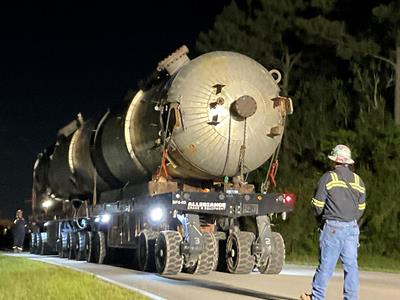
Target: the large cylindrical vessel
pixel 217 115
pixel 80 159
pixel 226 111
pixel 212 133
pixel 62 182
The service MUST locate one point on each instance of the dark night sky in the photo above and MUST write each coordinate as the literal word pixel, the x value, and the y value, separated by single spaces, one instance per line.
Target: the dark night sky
pixel 56 61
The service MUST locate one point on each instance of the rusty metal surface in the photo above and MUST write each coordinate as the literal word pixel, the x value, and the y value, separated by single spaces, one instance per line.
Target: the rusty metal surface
pixel 160 187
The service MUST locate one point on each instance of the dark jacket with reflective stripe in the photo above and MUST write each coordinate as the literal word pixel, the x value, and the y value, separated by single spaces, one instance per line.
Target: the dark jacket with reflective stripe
pixel 336 200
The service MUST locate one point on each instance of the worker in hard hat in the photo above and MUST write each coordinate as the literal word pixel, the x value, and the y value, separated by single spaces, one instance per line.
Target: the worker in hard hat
pixel 339 202
pixel 18 231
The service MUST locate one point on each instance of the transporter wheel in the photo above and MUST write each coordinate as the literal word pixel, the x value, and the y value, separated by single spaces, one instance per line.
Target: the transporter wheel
pixel 63 247
pixel 44 246
pixel 146 251
pixel 275 261
pixel 99 247
pixel 39 243
pixel 208 257
pixel 239 258
pixel 216 257
pixel 80 246
pixel 169 260
pixel 89 246
pixel 71 245
pixel 33 246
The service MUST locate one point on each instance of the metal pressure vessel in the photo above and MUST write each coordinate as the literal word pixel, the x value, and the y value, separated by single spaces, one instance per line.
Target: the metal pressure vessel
pixel 217 115
pixel 62 180
pixel 220 109
pixel 80 159
pixel 226 113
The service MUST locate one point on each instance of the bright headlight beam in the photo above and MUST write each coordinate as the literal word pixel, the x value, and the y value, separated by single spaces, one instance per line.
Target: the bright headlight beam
pixel 156 214
pixel 105 218
pixel 47 203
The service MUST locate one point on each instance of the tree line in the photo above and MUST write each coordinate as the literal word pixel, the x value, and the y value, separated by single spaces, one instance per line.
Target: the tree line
pixel 341 66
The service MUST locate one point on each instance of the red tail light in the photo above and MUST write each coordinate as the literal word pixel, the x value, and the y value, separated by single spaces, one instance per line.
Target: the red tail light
pixel 289 197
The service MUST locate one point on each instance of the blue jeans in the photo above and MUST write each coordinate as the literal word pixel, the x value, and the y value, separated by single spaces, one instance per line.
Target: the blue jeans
pixel 337 240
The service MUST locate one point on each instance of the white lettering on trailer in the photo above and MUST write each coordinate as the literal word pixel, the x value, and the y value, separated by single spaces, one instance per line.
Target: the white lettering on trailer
pixel 206 205
pixel 178 202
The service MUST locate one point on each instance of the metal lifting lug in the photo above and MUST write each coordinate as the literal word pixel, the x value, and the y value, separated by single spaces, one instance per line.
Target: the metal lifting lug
pixel 284 104
pixel 175 61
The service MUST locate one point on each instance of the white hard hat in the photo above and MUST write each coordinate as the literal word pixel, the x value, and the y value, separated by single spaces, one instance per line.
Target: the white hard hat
pixel 341 154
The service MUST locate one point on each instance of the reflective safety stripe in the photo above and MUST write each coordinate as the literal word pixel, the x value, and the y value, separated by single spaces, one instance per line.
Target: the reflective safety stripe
pixel 317 203
pixel 356 184
pixel 335 182
pixel 361 206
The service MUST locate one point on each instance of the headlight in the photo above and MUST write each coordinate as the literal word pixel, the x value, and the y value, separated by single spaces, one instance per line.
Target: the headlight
pixel 47 203
pixel 156 214
pixel 105 218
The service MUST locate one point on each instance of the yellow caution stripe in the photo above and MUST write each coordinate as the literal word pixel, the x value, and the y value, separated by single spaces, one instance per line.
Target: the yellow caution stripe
pixel 340 183
pixel 356 184
pixel 358 188
pixel 317 203
pixel 361 206
pixel 335 182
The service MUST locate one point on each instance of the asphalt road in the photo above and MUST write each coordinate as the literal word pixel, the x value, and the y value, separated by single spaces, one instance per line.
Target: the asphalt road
pixel 292 281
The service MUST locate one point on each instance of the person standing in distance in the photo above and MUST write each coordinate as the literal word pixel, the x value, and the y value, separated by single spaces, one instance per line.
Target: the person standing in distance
pixel 339 202
pixel 18 231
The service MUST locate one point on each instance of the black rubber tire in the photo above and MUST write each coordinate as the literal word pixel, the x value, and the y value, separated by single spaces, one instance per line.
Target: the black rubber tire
pixel 239 258
pixel 80 253
pixel 99 247
pixel 169 260
pixel 216 257
pixel 276 260
pixel 59 246
pixel 206 262
pixel 43 248
pixel 89 246
pixel 71 245
pixel 38 238
pixel 146 260
pixel 33 245
pixel 63 245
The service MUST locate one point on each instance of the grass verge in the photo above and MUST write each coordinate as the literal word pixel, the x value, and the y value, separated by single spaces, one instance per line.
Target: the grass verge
pixel 365 262
pixel 25 279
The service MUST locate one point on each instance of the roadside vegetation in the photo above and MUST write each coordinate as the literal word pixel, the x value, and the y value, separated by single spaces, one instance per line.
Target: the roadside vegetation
pixel 26 279
pixel 366 263
pixel 343 74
